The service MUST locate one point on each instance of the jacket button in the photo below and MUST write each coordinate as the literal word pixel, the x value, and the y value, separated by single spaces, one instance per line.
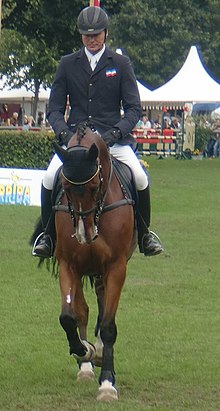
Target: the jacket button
pixel 90 116
pixel 90 100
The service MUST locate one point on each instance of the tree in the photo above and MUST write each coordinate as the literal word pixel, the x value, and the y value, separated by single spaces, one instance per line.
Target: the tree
pixel 34 36
pixel 157 35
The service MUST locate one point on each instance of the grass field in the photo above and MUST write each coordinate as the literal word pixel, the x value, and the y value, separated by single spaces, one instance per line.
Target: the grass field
pixel 168 347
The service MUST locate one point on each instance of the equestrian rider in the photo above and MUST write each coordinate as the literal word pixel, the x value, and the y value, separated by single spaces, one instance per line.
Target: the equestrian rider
pixel 98 82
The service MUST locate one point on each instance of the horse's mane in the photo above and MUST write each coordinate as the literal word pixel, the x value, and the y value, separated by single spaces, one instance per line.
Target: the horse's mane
pixel 81 130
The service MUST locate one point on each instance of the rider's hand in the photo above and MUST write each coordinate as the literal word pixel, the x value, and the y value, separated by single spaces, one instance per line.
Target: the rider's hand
pixel 64 137
pixel 112 136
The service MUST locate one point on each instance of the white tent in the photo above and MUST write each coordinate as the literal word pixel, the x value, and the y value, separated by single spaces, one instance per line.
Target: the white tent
pixel 22 97
pixel 145 93
pixel 191 84
pixel 8 94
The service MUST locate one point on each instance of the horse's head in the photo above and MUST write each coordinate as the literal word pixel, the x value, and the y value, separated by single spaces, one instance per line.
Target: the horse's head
pixel 82 182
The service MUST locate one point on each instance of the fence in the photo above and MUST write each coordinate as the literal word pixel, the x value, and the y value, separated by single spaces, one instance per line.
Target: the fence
pixel 153 143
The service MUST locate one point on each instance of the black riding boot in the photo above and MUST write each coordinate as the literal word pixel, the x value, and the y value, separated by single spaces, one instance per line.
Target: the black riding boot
pixel 44 244
pixel 148 242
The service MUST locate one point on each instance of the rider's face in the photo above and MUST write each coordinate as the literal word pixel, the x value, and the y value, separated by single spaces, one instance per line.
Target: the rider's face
pixel 94 42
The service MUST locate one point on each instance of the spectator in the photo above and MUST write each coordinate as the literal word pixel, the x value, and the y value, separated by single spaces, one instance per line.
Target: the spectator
pixel 40 118
pixel 174 125
pixel 5 120
pixel 156 124
pixel 216 145
pixel 20 116
pixel 166 124
pixel 14 119
pixel 209 150
pixel 28 122
pixel 145 123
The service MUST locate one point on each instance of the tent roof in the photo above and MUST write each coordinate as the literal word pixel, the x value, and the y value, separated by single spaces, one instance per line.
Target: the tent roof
pixel 191 84
pixel 18 94
pixel 145 93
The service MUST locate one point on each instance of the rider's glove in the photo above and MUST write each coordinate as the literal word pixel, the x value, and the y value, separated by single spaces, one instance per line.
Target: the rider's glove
pixel 112 136
pixel 64 137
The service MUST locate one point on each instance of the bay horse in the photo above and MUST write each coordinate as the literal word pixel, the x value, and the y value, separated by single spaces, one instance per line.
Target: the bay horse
pixel 95 238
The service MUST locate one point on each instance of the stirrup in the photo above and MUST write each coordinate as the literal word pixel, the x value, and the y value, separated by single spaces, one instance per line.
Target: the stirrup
pixel 36 244
pixel 158 244
pixel 156 237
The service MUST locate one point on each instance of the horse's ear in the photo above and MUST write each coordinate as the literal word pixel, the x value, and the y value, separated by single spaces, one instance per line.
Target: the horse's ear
pixel 62 154
pixel 93 152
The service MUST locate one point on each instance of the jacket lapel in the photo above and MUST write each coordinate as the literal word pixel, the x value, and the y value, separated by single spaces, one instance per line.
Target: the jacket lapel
pixel 104 61
pixel 84 63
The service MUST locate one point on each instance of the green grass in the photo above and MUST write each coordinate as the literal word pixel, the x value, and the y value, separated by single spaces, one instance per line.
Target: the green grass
pixel 167 352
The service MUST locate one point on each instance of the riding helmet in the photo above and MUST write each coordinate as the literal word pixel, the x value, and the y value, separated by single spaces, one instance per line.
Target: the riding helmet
pixel 92 20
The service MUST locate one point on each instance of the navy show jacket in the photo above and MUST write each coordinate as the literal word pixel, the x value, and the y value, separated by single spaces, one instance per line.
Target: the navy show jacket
pixel 97 96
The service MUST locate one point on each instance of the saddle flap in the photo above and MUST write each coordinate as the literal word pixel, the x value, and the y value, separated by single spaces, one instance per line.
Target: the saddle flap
pixel 125 177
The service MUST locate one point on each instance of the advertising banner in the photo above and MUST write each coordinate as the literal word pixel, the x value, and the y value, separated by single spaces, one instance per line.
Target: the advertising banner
pixel 20 186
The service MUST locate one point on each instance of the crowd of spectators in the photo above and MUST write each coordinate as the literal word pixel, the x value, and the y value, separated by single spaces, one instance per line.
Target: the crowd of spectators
pixel 18 119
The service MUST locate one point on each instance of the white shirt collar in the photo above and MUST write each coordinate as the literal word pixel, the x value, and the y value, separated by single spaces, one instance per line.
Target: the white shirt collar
pixel 97 55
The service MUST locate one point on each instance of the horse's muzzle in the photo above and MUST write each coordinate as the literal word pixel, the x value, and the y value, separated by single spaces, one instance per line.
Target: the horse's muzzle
pixel 85 235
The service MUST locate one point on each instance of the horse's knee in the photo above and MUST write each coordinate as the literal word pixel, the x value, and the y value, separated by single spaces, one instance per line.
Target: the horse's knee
pixel 108 333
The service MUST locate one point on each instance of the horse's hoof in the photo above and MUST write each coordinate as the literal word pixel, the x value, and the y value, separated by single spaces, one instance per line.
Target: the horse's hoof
pixel 107 392
pixel 86 372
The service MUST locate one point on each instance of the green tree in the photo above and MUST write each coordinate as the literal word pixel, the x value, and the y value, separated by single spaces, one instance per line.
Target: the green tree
pixel 34 36
pixel 157 35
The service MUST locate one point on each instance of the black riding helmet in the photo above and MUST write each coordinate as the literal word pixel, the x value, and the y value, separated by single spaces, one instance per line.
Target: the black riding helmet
pixel 92 20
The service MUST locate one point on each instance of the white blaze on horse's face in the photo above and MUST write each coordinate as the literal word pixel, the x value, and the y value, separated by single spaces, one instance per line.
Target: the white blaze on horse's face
pixel 86 230
pixel 80 230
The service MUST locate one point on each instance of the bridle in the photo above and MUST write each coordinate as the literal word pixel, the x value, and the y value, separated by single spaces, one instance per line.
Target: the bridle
pixel 99 205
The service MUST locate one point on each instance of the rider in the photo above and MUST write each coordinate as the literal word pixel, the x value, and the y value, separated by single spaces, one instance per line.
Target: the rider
pixel 97 94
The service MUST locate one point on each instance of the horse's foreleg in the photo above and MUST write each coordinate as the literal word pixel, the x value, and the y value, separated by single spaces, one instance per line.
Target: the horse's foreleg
pixel 108 331
pixel 99 289
pixel 74 313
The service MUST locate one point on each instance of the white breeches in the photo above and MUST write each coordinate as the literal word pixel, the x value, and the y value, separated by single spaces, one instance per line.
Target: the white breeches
pixel 126 155
pixel 123 153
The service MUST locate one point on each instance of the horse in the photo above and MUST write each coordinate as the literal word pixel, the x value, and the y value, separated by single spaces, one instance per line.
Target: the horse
pixel 95 237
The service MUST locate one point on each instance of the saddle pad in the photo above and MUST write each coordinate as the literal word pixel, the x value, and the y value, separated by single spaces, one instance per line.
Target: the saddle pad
pixel 126 179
